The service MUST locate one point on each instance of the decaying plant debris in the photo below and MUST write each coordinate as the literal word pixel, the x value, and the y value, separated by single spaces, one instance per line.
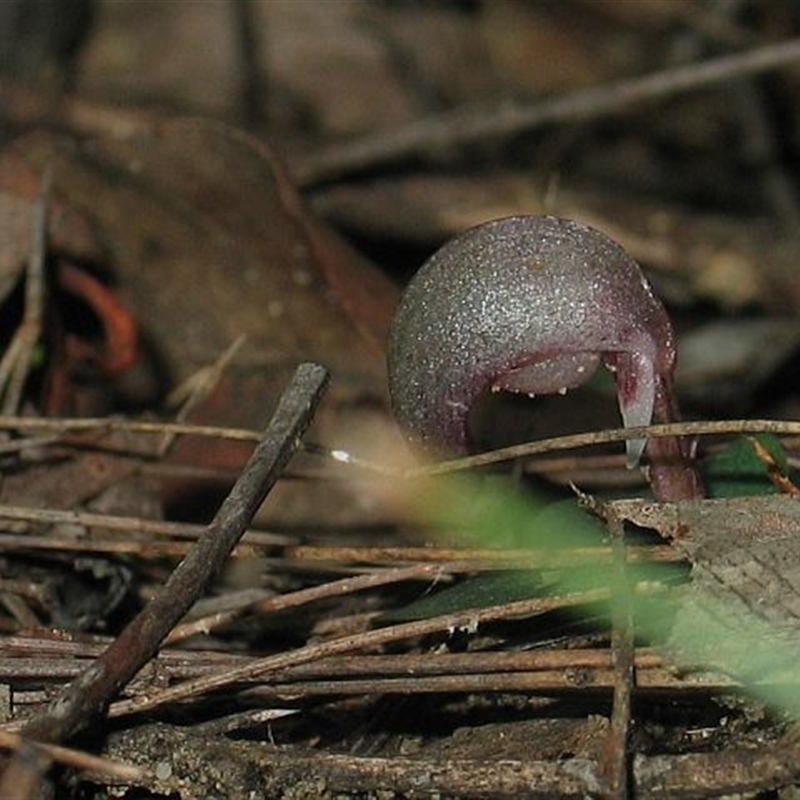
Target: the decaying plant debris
pixel 186 331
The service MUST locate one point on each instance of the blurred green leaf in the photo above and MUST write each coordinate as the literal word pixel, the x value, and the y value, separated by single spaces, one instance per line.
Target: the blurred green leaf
pixel 712 629
pixel 492 512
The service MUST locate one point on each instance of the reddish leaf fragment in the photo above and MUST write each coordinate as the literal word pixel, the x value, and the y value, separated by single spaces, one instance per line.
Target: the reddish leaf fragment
pixel 119 348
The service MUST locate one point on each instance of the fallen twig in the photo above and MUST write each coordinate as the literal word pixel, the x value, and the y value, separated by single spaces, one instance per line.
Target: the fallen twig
pixel 622 647
pixel 460 127
pixel 89 695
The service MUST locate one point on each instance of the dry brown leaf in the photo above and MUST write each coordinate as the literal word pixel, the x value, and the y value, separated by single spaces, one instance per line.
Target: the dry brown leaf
pixel 206 240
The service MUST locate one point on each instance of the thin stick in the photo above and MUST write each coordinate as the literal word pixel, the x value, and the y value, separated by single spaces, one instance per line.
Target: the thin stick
pixel 455 559
pixel 261 667
pixel 16 361
pixel 66 425
pixel 270 605
pixel 75 758
pixel 777 427
pixel 461 127
pixel 622 648
pixel 197 388
pixel 89 695
pixel 558 681
pixel 571 442
pixel 125 525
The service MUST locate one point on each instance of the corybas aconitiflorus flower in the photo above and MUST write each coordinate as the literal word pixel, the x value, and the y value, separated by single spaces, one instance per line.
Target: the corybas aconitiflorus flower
pixel 535 304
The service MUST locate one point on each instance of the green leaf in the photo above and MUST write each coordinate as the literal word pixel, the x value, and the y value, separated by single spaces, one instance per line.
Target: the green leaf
pixel 480 591
pixel 737 471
